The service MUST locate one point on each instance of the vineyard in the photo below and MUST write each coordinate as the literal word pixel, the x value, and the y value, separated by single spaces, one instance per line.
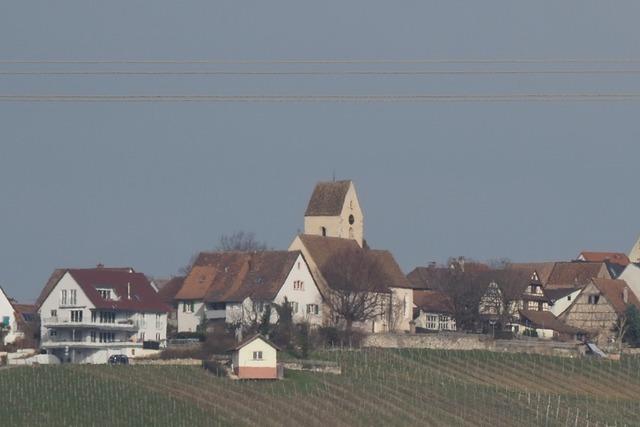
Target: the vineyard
pixel 378 387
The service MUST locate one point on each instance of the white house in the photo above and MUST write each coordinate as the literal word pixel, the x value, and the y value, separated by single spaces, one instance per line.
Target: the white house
pixel 236 288
pixel 255 358
pixel 15 318
pixel 434 311
pixel 90 314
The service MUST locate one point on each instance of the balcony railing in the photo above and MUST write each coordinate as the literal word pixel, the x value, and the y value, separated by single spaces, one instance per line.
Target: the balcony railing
pixel 61 343
pixel 123 325
pixel 215 314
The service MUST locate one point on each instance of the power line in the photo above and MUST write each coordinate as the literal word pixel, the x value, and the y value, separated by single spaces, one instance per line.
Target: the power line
pixel 316 72
pixel 538 97
pixel 326 61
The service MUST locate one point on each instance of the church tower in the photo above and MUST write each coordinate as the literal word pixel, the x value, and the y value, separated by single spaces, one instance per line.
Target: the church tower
pixel 334 211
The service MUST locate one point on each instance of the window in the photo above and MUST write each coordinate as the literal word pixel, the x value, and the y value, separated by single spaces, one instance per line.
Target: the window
pixel 432 321
pixel 257 355
pixel 76 316
pixel 298 265
pixel 351 232
pixel 593 299
pixel 63 297
pixel 5 321
pixel 93 336
pixel 298 285
pixel 53 333
pixel 351 220
pixel 73 297
pixel 158 321
pixel 54 313
pixel 323 230
pixel 107 317
pixel 158 336
pixel 107 337
pixel 569 298
pixel 141 336
pixel 105 293
pixel 294 307
pixel 312 309
pixel 94 316
pixel 187 307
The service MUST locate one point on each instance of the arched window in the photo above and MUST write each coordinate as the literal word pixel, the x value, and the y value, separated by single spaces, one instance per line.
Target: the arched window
pixel 324 231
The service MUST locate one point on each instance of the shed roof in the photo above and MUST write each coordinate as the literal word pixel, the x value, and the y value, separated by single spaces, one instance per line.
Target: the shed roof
pixel 546 320
pixel 252 339
pixel 328 198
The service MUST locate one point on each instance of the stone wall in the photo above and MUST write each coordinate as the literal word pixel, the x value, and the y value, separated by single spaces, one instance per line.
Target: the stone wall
pixel 462 341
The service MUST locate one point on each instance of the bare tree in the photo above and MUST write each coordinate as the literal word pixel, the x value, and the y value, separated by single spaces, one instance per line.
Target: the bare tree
pixel 357 287
pixel 241 241
pixel 465 291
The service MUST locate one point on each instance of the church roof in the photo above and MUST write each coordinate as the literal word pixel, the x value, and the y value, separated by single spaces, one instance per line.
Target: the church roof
pixel 328 198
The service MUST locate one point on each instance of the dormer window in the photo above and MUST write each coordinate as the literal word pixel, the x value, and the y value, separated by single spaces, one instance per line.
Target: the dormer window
pixel 593 299
pixel 105 294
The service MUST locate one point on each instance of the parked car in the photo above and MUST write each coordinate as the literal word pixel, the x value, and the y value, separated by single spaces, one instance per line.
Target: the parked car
pixel 118 359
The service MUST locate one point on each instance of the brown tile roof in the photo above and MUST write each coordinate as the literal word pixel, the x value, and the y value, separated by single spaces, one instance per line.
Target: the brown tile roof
pixel 321 249
pixel 512 282
pixel 613 291
pixel 542 269
pixel 327 198
pixel 554 294
pixel 613 257
pixel 433 301
pixel 235 276
pixel 429 278
pixel 546 320
pixel 170 288
pixel 575 274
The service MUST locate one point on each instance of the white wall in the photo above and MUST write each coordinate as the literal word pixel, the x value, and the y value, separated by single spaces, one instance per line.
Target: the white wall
pixel 189 322
pixel 402 308
pixel 6 310
pixel 563 303
pixel 269 355
pixel 309 294
pixel 631 275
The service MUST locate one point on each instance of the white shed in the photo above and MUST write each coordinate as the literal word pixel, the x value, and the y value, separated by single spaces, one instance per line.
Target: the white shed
pixel 255 358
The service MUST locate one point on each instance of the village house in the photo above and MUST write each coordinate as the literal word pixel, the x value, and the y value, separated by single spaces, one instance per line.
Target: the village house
pixel 598 307
pixel 90 314
pixel 237 287
pixel 544 325
pixel 255 358
pixel 334 224
pixel 17 321
pixel 167 290
pixel 433 311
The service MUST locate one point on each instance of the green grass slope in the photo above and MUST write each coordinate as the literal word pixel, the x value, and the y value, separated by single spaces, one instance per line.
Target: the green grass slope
pixel 378 387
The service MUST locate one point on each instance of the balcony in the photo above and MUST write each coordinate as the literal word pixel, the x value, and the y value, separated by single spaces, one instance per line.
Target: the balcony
pixel 88 344
pixel 215 314
pixel 123 325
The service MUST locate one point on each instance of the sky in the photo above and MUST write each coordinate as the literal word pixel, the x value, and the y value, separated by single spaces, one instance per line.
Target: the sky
pixel 148 184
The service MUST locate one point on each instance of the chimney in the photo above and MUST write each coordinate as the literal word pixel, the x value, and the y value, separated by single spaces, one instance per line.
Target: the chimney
pixel 128 290
pixel 625 295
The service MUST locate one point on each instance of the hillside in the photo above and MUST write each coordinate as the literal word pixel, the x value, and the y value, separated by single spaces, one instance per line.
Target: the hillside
pixel 378 387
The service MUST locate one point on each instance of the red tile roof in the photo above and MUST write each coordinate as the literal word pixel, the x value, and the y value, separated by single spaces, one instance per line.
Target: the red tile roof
pixel 170 288
pixel 613 257
pixel 546 320
pixel 133 290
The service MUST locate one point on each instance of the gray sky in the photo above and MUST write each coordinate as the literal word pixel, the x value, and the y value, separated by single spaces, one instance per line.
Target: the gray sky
pixel 146 185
